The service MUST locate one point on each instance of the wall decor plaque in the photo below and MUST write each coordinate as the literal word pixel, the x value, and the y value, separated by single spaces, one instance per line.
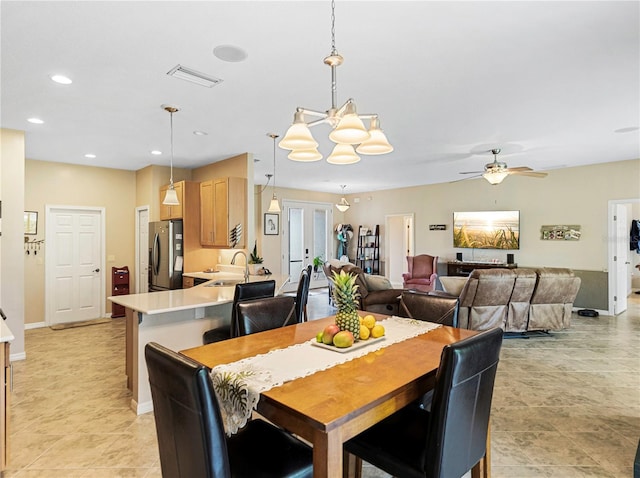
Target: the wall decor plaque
pixel 560 233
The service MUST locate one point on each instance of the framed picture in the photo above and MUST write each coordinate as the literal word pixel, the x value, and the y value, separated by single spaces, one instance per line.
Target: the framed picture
pixel 271 224
pixel 31 222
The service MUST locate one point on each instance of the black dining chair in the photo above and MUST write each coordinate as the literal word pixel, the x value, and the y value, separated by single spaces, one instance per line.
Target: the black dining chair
pixel 243 291
pixel 191 437
pixel 302 294
pixel 450 439
pixel 258 315
pixel 441 309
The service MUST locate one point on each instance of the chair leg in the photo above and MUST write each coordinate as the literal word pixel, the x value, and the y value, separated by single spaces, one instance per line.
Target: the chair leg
pixel 482 469
pixel 351 466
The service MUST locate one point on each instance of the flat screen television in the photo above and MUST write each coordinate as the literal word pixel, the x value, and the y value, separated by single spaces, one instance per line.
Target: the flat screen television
pixel 486 229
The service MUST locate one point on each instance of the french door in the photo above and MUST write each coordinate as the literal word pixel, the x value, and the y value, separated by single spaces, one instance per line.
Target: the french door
pixel 307 233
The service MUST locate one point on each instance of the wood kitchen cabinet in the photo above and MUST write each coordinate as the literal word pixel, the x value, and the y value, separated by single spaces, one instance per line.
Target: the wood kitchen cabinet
pixel 172 212
pixel 222 206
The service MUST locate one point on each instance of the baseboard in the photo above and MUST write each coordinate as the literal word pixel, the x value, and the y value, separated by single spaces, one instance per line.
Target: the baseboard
pixel 34 325
pixel 20 356
pixel 141 408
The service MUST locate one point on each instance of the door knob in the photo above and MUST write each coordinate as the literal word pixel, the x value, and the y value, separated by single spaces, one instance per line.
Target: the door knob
pixel 97 270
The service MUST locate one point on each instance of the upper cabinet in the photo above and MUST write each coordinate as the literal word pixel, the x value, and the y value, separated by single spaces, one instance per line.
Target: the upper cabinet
pixel 172 212
pixel 222 207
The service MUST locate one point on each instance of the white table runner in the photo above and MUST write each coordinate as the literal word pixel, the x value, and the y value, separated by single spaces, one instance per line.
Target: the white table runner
pixel 238 385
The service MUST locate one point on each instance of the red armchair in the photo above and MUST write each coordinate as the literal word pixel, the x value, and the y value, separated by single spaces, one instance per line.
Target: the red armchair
pixel 422 273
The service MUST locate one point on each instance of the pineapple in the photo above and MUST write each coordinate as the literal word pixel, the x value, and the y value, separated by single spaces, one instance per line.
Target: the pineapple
pixel 345 296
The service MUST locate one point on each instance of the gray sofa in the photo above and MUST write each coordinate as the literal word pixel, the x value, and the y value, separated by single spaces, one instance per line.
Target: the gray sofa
pixel 518 300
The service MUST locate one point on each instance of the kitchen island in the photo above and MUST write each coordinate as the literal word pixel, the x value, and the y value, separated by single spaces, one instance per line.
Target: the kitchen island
pixel 176 319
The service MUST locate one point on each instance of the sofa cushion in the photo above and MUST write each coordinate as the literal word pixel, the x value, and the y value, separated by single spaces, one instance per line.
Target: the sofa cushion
pixel 376 282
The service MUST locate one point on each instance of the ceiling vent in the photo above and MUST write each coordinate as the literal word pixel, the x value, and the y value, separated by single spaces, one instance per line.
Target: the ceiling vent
pixel 193 76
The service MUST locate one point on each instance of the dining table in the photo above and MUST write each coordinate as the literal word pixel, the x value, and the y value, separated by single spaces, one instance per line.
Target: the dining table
pixel 330 406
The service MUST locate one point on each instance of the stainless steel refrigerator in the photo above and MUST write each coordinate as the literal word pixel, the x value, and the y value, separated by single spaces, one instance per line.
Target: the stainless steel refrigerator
pixel 165 255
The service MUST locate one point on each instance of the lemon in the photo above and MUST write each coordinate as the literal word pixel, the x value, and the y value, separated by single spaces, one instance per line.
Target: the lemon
pixel 377 331
pixel 369 321
pixel 364 332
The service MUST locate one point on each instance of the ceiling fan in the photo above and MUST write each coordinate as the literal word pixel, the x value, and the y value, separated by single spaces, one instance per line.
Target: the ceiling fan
pixel 496 171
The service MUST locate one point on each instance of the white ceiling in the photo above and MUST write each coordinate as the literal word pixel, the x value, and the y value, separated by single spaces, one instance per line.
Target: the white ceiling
pixel 548 82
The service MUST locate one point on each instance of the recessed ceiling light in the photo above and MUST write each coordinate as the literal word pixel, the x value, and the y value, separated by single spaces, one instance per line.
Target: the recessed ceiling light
pixel 90 155
pixel 155 152
pixel 230 53
pixel 63 80
pixel 35 121
pixel 200 133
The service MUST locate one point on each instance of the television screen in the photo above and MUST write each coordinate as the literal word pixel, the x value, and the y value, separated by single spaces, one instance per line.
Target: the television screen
pixel 486 229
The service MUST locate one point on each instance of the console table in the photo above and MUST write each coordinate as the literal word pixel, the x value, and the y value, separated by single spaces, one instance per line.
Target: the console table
pixel 464 268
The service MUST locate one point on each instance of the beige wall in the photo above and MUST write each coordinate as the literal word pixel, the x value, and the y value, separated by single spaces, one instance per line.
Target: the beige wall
pixel 12 273
pixel 149 180
pixel 59 184
pixel 566 196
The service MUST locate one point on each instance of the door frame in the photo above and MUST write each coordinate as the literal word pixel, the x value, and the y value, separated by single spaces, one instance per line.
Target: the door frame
pixel 612 263
pixel 409 218
pixel 289 286
pixel 49 256
pixel 139 209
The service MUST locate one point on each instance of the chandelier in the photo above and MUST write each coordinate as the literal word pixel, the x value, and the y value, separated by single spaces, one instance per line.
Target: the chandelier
pixel 348 130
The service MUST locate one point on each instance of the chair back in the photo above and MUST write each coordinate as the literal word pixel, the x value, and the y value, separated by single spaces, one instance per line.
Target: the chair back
pixel 432 308
pixel 258 315
pixel 248 291
pixel 191 437
pixel 302 295
pixel 461 406
pixel 422 265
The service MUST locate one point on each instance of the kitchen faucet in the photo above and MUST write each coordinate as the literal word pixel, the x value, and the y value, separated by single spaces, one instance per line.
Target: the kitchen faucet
pixel 246 264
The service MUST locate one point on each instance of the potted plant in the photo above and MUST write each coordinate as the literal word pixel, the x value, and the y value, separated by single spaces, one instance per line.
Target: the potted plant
pixel 317 263
pixel 254 258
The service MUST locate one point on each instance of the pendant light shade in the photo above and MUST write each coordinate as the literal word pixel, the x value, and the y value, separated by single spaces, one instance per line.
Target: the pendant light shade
pixel 298 135
pixel 303 155
pixel 350 129
pixel 171 197
pixel 274 205
pixel 343 154
pixel 495 177
pixel 343 205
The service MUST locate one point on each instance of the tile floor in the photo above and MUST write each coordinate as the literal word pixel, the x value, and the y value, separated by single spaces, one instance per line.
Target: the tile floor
pixel 564 406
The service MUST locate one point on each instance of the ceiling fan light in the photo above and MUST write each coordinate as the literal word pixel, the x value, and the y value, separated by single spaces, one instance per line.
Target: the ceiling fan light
pixel 495 177
pixel 171 197
pixel 343 154
pixel 350 130
pixel 305 155
pixel 376 144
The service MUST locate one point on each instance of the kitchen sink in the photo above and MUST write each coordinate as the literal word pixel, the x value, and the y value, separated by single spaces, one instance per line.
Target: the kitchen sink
pixel 224 283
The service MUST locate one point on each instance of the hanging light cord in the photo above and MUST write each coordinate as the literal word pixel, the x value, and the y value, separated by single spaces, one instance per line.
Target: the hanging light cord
pixel 171 179
pixel 274 136
pixel 333 27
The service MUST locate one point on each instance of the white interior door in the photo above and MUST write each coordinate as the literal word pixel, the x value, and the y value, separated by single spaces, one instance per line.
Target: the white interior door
pixel 398 245
pixel 74 264
pixel 306 234
pixel 142 250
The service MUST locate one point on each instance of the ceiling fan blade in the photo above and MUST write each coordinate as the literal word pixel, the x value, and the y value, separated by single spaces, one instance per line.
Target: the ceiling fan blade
pixel 518 169
pixel 464 179
pixel 472 172
pixel 533 174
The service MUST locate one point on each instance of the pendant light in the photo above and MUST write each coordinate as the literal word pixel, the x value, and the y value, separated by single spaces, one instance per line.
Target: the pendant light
pixel 171 197
pixel 274 205
pixel 343 205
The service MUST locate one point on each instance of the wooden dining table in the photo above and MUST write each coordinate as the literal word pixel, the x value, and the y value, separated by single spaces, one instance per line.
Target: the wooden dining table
pixel 331 406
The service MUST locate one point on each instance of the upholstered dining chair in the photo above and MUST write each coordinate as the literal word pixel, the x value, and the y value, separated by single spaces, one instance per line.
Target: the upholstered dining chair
pixel 302 294
pixel 243 291
pixel 257 315
pixel 191 437
pixel 422 274
pixel 450 439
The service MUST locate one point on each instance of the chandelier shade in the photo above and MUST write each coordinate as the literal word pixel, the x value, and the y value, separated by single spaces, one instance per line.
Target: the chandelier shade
pixel 298 136
pixel 305 155
pixel 377 142
pixel 343 154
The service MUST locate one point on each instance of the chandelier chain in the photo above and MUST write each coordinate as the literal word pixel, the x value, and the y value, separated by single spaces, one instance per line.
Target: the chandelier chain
pixel 333 27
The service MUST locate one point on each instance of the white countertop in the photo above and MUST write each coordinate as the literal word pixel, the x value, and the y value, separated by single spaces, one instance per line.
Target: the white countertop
pixel 5 333
pixel 192 298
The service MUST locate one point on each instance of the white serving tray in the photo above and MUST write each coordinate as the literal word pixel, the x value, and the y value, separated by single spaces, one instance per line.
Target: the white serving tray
pixel 357 345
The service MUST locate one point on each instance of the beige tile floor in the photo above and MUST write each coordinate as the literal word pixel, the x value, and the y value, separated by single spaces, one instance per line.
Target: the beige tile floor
pixel 565 406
